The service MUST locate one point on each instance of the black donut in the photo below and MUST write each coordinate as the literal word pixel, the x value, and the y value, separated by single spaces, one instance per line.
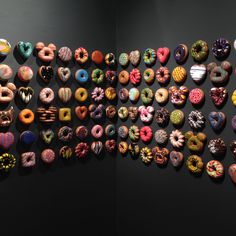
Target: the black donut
pixel 221 48
pixel 96 112
pixel 162 116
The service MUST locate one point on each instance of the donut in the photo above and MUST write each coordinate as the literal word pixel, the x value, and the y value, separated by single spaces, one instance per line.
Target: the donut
pixel 25 49
pixel 176 158
pixel 97 57
pixel 124 59
pixel 149 56
pixel 196 96
pixel 26 116
pixel 134 57
pixel 177 117
pixel 135 76
pixel 64 114
pixel 134 150
pixel 199 51
pixel 111 76
pixel 6 72
pixel 179 74
pixel 198 72
pixel 6 117
pixel 123 113
pixel 219 74
pixel 110 130
pixel 81 150
pixel 218 95
pixel 45 53
pixel 98 76
pixel 81 132
pixel 161 136
pixel 46 95
pixel 65 152
pixel 65 134
pixel 124 77
pixel 97 131
pixel 162 116
pixel 48 156
pixel 27 138
pixel 124 94
pixel 196 119
pixel 221 48
pixel 177 139
pixel 217 120
pixel 217 147
pixel 233 97
pixel 181 53
pixel 146 155
pixel 81 55
pixel 28 159
pixel 146 113
pixel 110 93
pixel 64 54
pixel 25 93
pixel 232 146
pixel 134 95
pixel 25 73
pixel 123 147
pixel 233 122
pixel 178 95
pixel 64 94
pixel 96 147
pixel 195 143
pixel 7 93
pixel 163 75
pixel 111 112
pixel 110 145
pixel 215 169
pixel 146 134
pixel 195 164
pixel 163 54
pixel 7 162
pixel 96 111
pixel 110 59
pixel 81 76
pixel 123 132
pixel 81 94
pixel 149 75
pixel 64 73
pixel 147 96
pixel 6 140
pixel 162 95
pixel 134 133
pixel 46 73
pixel 47 115
pixel 160 155
pixel 97 94
pixel 5 47
pixel 47 135
pixel 81 112
pixel 133 113
pixel 232 172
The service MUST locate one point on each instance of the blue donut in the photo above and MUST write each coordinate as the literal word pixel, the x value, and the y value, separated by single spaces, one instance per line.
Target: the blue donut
pixel 181 53
pixel 81 76
pixel 217 120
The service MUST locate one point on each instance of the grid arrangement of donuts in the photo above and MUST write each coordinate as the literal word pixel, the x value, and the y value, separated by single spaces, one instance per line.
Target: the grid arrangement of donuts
pixel 195 140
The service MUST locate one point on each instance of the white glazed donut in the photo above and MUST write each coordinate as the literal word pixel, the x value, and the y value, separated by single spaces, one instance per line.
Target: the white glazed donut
pixel 177 139
pixel 198 72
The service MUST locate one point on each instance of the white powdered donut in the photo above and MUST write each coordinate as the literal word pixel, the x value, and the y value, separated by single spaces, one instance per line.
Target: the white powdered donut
pixel 198 72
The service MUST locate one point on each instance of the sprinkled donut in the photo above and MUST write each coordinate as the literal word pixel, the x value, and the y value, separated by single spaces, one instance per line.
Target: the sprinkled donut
pixel 177 117
pixel 28 159
pixel 110 145
pixel 196 96
pixel 96 111
pixel 215 169
pixel 196 119
pixel 195 164
pixel 161 136
pixel 181 53
pixel 178 95
pixel 65 54
pixel 219 95
pixel 221 48
pixel 124 59
pixel 46 73
pixel 198 72
pixel 179 74
pixel 46 95
pixel 147 96
pixel 177 139
pixel 123 132
pixel 149 56
pixel 134 133
pixel 65 134
pixel 217 147
pixel 81 55
pixel 146 113
pixel 199 51
pixel 48 156
pixel 149 75
pixel 134 57
pixel 162 116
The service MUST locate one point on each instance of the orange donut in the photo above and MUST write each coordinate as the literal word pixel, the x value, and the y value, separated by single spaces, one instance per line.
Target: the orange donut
pixel 26 116
pixel 124 77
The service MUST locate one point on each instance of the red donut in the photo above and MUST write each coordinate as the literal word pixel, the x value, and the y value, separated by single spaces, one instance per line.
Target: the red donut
pixel 48 156
pixel 146 134
pixel 196 96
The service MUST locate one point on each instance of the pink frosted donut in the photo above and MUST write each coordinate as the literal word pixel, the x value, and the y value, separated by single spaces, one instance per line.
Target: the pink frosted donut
pixel 97 131
pixel 28 159
pixel 196 96
pixel 48 156
pixel 97 94
pixel 25 73
pixel 146 134
pixel 135 76
pixel 6 72
pixel 46 95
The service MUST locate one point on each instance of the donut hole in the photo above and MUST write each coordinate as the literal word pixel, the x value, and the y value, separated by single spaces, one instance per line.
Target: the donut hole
pixel 27 116
pixel 28 159
pixel 162 73
pixel 5 94
pixel 198 48
pixel 81 54
pixel 194 163
pixel 176 138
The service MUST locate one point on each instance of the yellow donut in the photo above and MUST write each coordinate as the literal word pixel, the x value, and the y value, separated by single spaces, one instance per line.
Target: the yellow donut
pixel 179 74
pixel 110 93
pixel 81 94
pixel 65 114
pixel 233 97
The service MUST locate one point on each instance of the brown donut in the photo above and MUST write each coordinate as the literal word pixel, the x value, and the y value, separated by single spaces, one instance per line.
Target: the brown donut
pixel 124 77
pixel 81 112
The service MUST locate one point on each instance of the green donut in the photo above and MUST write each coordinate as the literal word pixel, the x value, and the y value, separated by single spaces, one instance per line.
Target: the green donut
pixel 177 117
pixel 147 96
pixel 98 76
pixel 149 75
pixel 149 56
pixel 199 51
pixel 124 59
pixel 134 133
pixel 25 49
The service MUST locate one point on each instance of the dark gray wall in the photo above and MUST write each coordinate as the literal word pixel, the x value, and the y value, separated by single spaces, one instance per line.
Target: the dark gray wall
pixel 163 201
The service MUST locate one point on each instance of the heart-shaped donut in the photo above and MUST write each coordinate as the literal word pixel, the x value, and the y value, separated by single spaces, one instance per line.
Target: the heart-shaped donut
pixel 46 73
pixel 47 135
pixel 217 119
pixel 219 95
pixel 163 54
pixel 6 140
pixel 81 112
pixel 25 49
pixel 65 94
pixel 25 93
pixel 64 74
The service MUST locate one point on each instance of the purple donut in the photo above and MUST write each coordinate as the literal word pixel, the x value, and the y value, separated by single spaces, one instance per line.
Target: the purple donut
pixel 97 94
pixel 176 158
pixel 221 48
pixel 96 112
pixel 233 122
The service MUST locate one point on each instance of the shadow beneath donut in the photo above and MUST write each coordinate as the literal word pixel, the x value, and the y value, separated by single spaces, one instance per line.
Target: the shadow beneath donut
pixel 200 105
pixel 2 58
pixel 218 180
